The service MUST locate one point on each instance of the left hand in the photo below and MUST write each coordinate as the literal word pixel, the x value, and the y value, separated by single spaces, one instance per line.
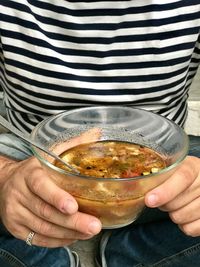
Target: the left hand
pixel 180 196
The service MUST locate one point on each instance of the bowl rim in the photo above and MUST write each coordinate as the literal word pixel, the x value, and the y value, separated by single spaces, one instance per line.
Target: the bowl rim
pixel 70 173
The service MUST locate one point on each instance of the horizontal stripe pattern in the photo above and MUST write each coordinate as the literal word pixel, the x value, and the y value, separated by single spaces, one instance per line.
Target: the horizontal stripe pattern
pixel 65 54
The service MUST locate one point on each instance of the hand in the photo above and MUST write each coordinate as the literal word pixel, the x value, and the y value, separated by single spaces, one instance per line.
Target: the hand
pixel 30 201
pixel 180 196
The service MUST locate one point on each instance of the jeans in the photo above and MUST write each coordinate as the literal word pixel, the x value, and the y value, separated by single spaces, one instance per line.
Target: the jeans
pixel 15 252
pixel 153 240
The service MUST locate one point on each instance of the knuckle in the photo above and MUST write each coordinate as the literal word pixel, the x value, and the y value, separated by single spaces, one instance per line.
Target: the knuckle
pixel 76 220
pixel 176 217
pixel 186 175
pixel 8 210
pixel 11 228
pixel 45 228
pixel 15 229
pixel 35 183
pixel 15 232
pixel 11 214
pixel 45 210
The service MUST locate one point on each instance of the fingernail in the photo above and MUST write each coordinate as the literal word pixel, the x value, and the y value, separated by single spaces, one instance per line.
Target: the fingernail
pixel 153 200
pixel 69 206
pixel 94 227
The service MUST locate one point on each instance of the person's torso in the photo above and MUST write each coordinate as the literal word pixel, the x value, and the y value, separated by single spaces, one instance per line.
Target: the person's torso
pixel 58 55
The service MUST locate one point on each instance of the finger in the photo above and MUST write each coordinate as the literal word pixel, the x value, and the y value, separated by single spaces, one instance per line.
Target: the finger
pixel 183 199
pixel 172 187
pixel 47 190
pixel 79 222
pixel 191 229
pixel 22 232
pixel 42 240
pixel 186 214
pixel 48 229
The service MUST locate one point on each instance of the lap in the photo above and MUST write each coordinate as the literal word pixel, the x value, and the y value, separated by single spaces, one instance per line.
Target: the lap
pixel 157 244
pixel 153 240
pixel 16 253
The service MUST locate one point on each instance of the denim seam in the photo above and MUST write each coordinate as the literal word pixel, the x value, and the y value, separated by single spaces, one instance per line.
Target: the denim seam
pixel 139 265
pixel 11 258
pixel 166 261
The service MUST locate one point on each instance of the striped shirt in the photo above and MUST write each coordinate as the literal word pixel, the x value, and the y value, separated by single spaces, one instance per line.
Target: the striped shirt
pixel 58 55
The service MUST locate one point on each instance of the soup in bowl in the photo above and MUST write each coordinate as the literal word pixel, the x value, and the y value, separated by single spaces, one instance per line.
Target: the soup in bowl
pixel 120 153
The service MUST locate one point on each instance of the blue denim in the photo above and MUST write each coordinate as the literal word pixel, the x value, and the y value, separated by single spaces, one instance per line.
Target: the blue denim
pixel 15 252
pixel 152 241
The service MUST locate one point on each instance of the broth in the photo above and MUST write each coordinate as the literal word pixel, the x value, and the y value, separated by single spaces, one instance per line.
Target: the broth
pixel 113 159
pixel 115 202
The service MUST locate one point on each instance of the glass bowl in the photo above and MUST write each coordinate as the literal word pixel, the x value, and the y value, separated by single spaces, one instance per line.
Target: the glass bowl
pixel 115 201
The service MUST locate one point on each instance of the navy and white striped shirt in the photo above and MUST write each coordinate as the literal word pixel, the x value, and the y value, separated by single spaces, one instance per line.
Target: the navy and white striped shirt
pixel 57 55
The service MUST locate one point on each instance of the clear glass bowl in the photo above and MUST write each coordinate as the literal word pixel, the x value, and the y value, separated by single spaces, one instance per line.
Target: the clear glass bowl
pixel 115 201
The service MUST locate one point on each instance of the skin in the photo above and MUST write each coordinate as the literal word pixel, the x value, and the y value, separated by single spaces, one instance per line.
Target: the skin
pixel 30 200
pixel 180 196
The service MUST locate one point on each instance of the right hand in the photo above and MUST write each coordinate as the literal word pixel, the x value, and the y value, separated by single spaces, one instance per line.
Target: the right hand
pixel 31 201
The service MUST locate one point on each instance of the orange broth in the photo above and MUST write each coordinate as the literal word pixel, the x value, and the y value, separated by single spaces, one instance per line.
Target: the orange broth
pixel 113 159
pixel 115 203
